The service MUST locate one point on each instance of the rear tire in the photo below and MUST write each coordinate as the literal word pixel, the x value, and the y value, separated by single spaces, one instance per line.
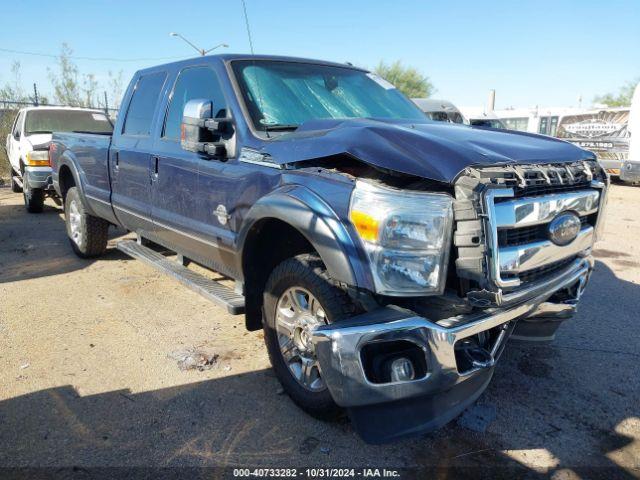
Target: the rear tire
pixel 33 197
pixel 303 276
pixel 87 234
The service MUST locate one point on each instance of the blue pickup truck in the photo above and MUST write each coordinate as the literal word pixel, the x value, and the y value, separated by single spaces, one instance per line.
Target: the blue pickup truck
pixel 387 257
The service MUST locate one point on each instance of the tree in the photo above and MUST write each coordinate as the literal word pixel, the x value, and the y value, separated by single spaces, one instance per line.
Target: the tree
pixel 406 79
pixel 622 99
pixel 69 87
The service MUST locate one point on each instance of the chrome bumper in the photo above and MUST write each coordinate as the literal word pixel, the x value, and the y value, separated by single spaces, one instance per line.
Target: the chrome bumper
pixel 339 346
pixel 38 177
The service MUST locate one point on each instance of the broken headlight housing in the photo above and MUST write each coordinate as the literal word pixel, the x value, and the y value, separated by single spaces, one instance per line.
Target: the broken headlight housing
pixel 406 236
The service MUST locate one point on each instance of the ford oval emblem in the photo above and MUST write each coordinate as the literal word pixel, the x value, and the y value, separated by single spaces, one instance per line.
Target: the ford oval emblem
pixel 564 228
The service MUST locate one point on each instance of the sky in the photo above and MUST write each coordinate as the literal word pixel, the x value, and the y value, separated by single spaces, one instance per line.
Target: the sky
pixel 546 53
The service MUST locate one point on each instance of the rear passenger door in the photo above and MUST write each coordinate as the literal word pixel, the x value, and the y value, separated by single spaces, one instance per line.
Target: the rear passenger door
pixel 131 154
pixel 180 205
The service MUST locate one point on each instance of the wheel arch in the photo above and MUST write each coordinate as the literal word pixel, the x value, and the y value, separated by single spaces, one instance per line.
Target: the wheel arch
pixel 287 223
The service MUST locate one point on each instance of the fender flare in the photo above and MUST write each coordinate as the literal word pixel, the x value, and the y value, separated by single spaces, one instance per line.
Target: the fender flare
pixel 66 159
pixel 305 211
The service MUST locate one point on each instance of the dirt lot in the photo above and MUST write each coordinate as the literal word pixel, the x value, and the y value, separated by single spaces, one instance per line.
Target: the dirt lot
pixel 87 375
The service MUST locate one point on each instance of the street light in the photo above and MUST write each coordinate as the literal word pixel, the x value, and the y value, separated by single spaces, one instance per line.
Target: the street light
pixel 201 51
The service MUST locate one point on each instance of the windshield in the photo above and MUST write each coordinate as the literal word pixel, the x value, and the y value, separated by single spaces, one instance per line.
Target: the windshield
pixel 488 123
pixel 451 117
pixel 287 94
pixel 49 121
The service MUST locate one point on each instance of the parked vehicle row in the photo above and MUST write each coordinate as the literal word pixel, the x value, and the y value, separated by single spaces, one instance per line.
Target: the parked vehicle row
pixel 387 257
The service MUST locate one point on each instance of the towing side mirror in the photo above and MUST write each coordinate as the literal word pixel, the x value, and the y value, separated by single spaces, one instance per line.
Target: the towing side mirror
pixel 201 132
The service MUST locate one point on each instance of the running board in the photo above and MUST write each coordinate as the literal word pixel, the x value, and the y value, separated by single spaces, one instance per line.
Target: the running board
pixel 18 180
pixel 210 289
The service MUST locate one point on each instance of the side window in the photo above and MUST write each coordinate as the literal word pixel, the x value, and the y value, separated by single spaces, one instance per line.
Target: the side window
pixel 143 103
pixel 17 127
pixel 196 82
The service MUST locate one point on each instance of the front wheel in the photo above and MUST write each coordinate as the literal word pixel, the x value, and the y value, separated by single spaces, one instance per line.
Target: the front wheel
pixel 87 234
pixel 33 197
pixel 298 298
pixel 15 187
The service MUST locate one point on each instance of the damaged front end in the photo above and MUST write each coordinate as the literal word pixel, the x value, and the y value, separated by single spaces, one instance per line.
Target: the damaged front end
pixel 409 367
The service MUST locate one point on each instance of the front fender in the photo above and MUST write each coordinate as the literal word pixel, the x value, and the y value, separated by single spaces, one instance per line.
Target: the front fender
pixel 304 210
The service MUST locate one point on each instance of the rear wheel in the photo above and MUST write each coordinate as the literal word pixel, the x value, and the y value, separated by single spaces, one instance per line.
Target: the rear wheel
pixel 87 234
pixel 298 298
pixel 33 197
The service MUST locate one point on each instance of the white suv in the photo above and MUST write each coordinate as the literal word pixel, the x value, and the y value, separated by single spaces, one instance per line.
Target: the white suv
pixel 28 146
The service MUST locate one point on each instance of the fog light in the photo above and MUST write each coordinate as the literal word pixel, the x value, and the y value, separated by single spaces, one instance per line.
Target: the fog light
pixel 402 370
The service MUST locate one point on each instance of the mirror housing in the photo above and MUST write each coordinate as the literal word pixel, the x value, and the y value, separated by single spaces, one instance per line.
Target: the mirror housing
pixel 201 132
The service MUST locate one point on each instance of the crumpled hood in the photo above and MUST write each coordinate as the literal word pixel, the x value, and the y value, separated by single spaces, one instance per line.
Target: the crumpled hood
pixel 433 150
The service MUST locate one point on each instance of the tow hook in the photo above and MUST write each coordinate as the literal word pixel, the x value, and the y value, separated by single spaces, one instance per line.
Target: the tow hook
pixel 477 356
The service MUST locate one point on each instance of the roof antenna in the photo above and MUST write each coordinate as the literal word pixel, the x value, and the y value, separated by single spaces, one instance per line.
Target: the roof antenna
pixel 246 21
pixel 253 60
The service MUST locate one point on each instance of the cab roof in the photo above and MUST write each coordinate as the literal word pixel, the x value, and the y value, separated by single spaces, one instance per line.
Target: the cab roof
pixel 228 57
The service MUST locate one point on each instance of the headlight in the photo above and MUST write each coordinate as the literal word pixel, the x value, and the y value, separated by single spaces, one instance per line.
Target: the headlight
pixel 406 236
pixel 38 158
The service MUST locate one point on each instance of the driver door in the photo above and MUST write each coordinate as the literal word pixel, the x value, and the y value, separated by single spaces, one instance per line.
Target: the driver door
pixel 186 184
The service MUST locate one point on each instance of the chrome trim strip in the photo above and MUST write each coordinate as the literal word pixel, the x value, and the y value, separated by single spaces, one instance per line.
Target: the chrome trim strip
pixel 491 231
pixel 264 164
pixel 527 211
pixel 602 208
pixel 521 258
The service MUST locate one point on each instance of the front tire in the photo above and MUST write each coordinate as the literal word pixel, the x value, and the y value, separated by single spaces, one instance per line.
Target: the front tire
pixel 87 234
pixel 33 197
pixel 298 297
pixel 15 188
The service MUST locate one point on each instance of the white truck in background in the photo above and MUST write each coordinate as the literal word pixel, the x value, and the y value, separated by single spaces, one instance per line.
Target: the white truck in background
pixel 630 171
pixel 440 110
pixel 28 146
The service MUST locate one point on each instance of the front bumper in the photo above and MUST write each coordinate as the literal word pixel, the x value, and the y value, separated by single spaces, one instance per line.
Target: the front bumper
pixel 630 172
pixel 38 177
pixel 381 412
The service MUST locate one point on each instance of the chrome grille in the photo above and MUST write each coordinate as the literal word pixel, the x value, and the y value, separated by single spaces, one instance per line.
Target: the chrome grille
pixel 502 226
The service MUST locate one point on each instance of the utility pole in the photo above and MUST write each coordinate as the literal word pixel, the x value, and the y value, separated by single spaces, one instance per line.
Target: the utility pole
pixel 492 100
pixel 201 51
pixel 35 95
pixel 106 104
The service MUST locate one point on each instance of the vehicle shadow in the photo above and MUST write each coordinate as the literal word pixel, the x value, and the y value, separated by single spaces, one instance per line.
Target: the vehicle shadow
pixel 571 405
pixel 36 245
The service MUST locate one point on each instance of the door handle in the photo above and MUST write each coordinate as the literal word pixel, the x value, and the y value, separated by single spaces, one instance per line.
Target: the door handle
pixel 116 161
pixel 154 171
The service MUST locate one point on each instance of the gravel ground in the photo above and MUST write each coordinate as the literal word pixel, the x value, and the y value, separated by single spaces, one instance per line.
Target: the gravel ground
pixel 89 372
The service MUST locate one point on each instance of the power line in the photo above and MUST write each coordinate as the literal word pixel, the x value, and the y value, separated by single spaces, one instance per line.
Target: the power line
pixel 98 59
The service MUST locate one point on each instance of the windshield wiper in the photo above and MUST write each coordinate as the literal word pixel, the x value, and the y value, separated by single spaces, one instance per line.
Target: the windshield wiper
pixel 280 127
pixel 35 132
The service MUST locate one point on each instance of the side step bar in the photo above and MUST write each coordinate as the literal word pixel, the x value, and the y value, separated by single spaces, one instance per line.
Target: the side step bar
pixel 18 180
pixel 210 289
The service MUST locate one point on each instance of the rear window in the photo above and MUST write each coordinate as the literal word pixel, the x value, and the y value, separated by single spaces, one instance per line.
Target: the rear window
pixel 48 121
pixel 143 103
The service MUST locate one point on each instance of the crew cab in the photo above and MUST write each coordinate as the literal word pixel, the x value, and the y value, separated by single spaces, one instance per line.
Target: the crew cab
pixel 387 257
pixel 28 146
